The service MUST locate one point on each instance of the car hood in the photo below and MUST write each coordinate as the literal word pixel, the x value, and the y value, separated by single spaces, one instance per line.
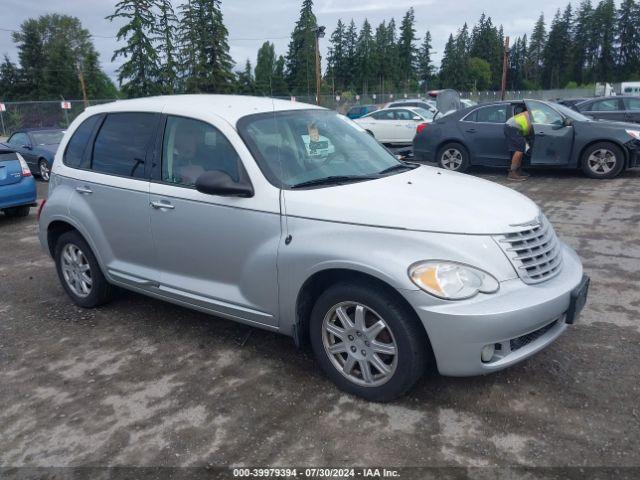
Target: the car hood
pixel 423 199
pixel 614 125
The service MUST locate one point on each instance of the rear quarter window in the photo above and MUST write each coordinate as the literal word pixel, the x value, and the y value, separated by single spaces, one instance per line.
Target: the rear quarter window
pixel 8 157
pixel 74 154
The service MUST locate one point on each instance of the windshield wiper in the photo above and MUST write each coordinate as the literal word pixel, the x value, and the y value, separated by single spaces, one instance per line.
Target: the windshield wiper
pixel 399 166
pixel 333 180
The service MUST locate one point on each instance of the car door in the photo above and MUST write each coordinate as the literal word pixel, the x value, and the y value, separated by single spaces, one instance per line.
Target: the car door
pixel 381 124
pixel 404 125
pixel 632 109
pixel 483 131
pixel 110 192
pixel 21 142
pixel 214 252
pixel 552 137
pixel 610 108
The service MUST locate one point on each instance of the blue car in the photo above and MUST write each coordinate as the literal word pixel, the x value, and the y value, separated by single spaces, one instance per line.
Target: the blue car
pixel 38 147
pixel 17 186
pixel 358 111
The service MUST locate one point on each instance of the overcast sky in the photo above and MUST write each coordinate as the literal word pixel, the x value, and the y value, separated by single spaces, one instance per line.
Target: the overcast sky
pixel 251 22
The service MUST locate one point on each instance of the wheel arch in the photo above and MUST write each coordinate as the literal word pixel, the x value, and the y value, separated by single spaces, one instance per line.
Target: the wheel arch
pixel 319 281
pixel 55 230
pixel 622 147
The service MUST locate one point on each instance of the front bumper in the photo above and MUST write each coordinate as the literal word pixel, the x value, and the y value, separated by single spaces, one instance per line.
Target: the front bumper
pixel 633 147
pixel 523 319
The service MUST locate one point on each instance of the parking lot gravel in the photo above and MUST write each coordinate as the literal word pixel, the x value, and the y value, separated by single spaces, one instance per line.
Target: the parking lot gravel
pixel 139 382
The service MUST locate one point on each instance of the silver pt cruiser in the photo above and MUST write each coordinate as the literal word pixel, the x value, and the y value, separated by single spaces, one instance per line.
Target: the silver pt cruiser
pixel 292 218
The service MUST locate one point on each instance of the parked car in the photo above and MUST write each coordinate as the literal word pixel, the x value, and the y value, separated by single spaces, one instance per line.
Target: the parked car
pixel 619 109
pixel 221 204
pixel 429 105
pixel 358 111
pixel 570 102
pixel 38 147
pixel 395 126
pixel 465 102
pixel 562 138
pixel 17 188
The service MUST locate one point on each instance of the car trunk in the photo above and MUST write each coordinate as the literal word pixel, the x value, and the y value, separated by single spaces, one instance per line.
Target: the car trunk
pixel 10 170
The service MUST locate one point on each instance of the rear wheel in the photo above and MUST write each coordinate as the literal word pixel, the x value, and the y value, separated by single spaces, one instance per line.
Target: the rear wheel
pixel 79 271
pixel 602 160
pixel 44 169
pixel 367 342
pixel 15 212
pixel 453 156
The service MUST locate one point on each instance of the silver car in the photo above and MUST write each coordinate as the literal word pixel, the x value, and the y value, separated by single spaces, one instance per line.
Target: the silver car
pixel 291 218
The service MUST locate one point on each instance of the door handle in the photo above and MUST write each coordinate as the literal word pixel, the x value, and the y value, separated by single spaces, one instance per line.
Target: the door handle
pixel 471 130
pixel 84 190
pixel 162 205
pixel 540 134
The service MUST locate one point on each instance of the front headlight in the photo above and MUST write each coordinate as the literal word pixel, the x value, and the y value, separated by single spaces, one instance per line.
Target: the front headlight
pixel 634 133
pixel 451 280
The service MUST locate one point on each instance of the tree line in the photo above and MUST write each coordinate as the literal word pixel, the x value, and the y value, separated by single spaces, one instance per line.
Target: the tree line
pixel 166 51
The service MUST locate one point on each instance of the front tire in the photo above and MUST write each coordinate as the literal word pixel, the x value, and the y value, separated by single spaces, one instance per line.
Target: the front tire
pixel 453 156
pixel 79 272
pixel 367 341
pixel 17 212
pixel 44 170
pixel 602 160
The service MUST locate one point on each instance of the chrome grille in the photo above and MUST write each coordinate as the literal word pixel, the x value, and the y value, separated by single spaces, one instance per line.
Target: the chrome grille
pixel 534 252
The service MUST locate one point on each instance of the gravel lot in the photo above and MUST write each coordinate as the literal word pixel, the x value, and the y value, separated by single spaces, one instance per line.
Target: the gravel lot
pixel 144 383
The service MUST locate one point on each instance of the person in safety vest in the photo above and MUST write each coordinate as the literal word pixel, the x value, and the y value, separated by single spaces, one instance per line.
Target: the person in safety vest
pixel 518 130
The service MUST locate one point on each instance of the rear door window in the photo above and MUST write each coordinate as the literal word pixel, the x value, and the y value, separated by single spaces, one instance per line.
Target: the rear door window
pixel 492 114
pixel 632 103
pixel 122 143
pixel 383 115
pixel 610 105
pixel 74 154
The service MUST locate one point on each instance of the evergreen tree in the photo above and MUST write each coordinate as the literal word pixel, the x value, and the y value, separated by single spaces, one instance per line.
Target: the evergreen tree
pixel 605 28
pixel 31 53
pixel 139 74
pixel 265 68
pixel 167 25
pixel 279 84
pixel 628 39
pixel 425 67
pixel 407 48
pixel 301 57
pixel 336 58
pixel 583 44
pixel 447 65
pixel 557 51
pixel 366 63
pixel 487 43
pixel 244 80
pixel 350 44
pixel 535 54
pixel 11 86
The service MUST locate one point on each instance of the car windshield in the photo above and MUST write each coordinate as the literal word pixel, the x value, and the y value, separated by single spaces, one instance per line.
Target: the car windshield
pixel 424 113
pixel 297 147
pixel 572 114
pixel 47 138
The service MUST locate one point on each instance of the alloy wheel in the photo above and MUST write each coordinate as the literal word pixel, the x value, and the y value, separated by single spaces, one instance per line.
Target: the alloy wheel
pixel 45 173
pixel 601 161
pixel 451 159
pixel 360 344
pixel 76 270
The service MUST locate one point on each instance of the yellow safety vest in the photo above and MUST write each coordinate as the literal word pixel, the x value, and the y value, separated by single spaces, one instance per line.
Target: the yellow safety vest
pixel 522 122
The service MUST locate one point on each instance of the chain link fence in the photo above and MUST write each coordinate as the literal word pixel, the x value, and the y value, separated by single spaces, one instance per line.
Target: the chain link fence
pixel 50 113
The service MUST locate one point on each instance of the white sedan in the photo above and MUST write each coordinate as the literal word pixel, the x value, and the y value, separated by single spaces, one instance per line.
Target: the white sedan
pixel 395 125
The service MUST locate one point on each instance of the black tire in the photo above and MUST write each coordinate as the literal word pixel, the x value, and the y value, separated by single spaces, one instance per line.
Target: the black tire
pixel 44 174
pixel 17 212
pixel 101 291
pixel 461 154
pixel 410 338
pixel 610 150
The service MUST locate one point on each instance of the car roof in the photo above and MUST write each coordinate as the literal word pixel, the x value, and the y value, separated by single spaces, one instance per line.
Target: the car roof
pixel 229 107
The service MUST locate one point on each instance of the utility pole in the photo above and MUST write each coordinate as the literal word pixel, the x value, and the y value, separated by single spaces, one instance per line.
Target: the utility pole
pixel 505 63
pixel 319 31
pixel 83 86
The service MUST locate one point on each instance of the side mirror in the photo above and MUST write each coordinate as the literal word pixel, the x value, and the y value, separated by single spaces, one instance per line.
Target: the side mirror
pixel 220 183
pixel 27 147
pixel 568 122
pixel 417 118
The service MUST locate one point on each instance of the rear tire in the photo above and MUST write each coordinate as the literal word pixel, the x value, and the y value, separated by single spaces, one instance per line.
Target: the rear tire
pixel 79 272
pixel 602 160
pixel 17 212
pixel 350 350
pixel 453 156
